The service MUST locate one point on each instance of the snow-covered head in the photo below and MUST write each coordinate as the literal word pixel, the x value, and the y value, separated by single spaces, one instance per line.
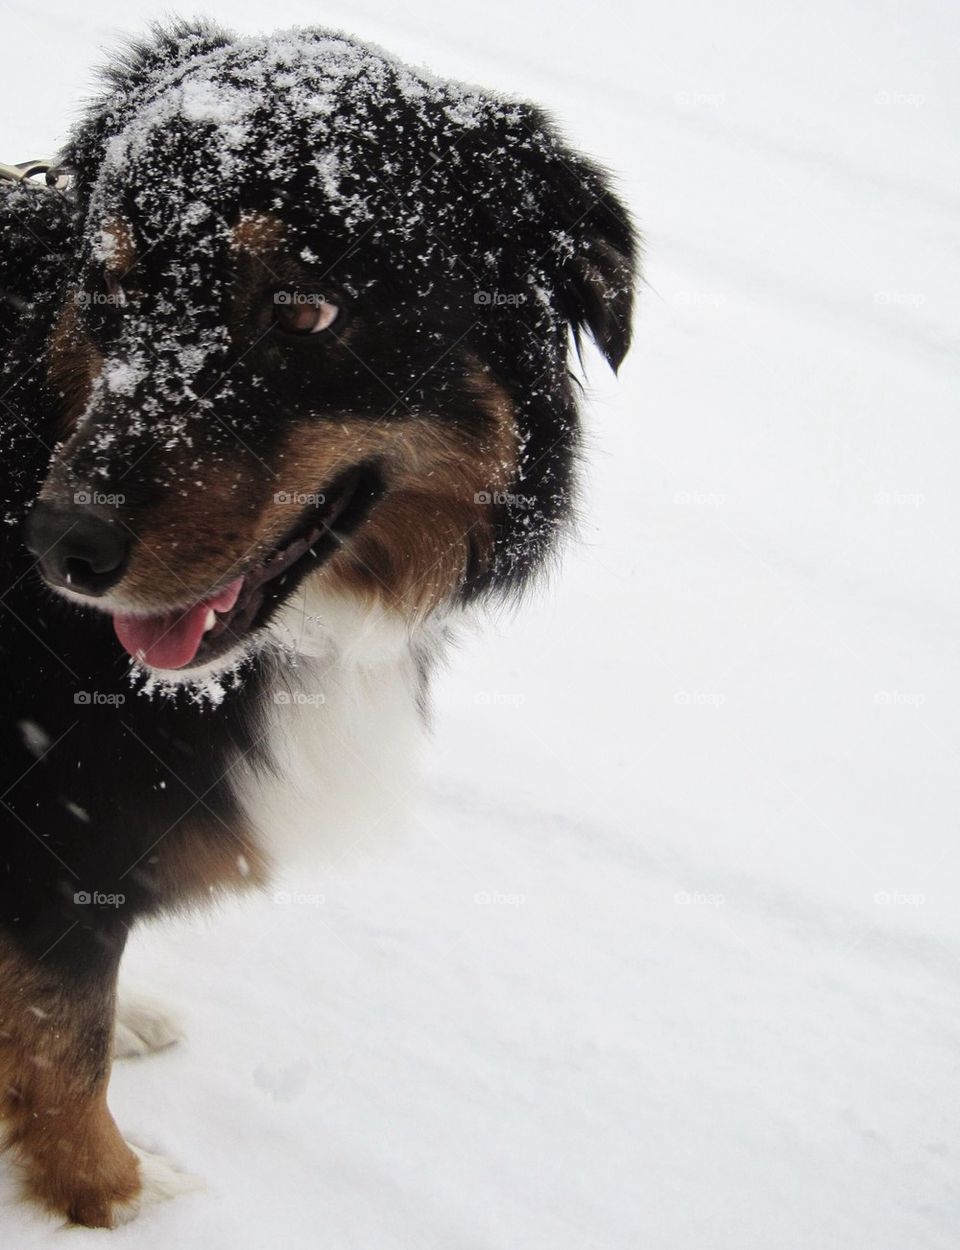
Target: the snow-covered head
pixel 319 327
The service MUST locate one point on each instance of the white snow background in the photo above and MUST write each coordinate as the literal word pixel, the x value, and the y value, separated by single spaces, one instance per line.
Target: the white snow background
pixel 707 778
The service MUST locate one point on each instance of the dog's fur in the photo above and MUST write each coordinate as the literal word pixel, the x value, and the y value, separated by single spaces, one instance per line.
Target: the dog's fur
pixel 424 444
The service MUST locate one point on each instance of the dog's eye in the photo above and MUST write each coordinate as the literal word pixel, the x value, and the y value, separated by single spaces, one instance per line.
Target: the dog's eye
pixel 300 313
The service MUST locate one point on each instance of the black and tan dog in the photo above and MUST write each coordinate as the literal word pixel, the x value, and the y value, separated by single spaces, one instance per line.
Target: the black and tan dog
pixel 285 390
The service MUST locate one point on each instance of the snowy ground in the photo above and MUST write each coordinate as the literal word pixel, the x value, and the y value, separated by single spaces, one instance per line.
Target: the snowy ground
pixel 708 780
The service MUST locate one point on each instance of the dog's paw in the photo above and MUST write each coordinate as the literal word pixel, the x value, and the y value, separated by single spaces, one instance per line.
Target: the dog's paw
pixel 124 1180
pixel 160 1181
pixel 143 1027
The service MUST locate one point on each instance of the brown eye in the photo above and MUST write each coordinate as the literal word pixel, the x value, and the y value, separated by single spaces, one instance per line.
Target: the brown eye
pixel 298 312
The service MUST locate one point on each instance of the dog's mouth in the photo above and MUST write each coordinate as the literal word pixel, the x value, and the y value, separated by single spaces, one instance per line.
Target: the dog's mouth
pixel 196 635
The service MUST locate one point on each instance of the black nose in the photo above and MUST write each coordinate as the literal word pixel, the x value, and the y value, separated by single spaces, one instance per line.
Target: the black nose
pixel 79 546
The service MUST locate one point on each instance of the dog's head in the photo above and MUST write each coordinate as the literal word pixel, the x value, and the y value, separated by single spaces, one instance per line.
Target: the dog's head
pixel 319 329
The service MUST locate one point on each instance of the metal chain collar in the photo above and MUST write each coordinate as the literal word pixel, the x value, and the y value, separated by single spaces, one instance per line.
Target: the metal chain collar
pixel 40 173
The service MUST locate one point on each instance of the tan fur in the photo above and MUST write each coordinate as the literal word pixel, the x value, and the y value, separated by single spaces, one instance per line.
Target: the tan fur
pixel 416 546
pixel 197 539
pixel 55 1047
pixel 73 364
pixel 119 242
pixel 257 232
pixel 198 860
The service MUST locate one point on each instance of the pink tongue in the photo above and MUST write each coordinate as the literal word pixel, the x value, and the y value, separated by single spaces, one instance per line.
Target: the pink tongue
pixel 172 639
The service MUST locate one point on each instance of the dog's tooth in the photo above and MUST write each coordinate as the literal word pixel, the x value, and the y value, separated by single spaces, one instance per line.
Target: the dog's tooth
pixel 210 621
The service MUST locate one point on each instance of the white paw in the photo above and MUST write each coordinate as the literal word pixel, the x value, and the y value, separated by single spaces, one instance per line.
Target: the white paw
pixel 142 1027
pixel 161 1181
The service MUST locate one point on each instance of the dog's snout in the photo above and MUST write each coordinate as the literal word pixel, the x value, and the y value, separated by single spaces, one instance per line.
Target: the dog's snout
pixel 78 546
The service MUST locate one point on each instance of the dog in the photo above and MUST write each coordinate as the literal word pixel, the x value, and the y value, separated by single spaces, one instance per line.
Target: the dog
pixel 286 393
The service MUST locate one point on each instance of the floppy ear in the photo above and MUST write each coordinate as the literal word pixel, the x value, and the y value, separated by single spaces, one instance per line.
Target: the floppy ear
pixel 591 255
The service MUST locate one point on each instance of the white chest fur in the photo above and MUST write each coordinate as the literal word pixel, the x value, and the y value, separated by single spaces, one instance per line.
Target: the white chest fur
pixel 343 729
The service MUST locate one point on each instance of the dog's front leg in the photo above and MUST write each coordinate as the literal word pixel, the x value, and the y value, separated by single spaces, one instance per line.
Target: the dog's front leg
pixel 56 1030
